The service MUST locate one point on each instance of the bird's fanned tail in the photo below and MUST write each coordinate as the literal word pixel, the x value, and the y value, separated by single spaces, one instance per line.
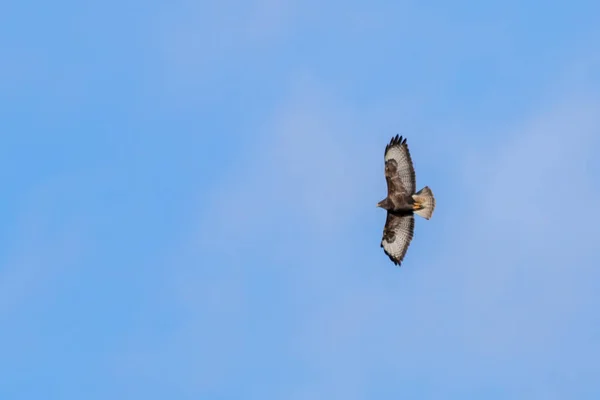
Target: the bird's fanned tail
pixel 424 203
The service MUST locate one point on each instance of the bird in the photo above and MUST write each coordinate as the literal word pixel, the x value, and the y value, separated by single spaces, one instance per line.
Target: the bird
pixel 402 202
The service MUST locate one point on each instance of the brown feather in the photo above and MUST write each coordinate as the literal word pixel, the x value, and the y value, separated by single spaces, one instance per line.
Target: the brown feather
pixel 397 235
pixel 399 169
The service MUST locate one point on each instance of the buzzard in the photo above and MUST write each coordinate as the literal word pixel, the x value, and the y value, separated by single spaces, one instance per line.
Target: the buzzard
pixel 402 202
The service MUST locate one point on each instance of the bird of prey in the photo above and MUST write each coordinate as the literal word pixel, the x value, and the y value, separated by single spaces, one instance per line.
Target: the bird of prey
pixel 402 202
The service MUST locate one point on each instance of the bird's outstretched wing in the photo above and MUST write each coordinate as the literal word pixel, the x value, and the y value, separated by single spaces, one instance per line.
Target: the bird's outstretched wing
pixel 399 170
pixel 397 235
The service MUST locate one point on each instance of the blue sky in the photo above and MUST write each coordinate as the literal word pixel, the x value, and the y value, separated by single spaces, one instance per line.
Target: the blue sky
pixel 189 195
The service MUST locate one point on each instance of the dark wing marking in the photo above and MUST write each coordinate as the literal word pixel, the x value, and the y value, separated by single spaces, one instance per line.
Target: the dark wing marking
pixel 397 235
pixel 399 170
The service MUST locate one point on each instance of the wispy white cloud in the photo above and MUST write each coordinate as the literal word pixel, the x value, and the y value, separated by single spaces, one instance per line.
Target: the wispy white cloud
pixel 525 252
pixel 309 160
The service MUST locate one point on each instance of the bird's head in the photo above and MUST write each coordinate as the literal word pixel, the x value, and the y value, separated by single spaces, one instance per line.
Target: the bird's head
pixel 385 203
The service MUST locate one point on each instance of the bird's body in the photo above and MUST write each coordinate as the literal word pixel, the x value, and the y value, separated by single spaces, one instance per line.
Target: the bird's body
pixel 402 202
pixel 398 204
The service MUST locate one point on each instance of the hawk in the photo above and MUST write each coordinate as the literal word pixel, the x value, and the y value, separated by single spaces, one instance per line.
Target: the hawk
pixel 402 202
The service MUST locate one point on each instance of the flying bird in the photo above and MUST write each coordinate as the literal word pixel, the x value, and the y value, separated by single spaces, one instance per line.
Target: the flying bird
pixel 402 202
